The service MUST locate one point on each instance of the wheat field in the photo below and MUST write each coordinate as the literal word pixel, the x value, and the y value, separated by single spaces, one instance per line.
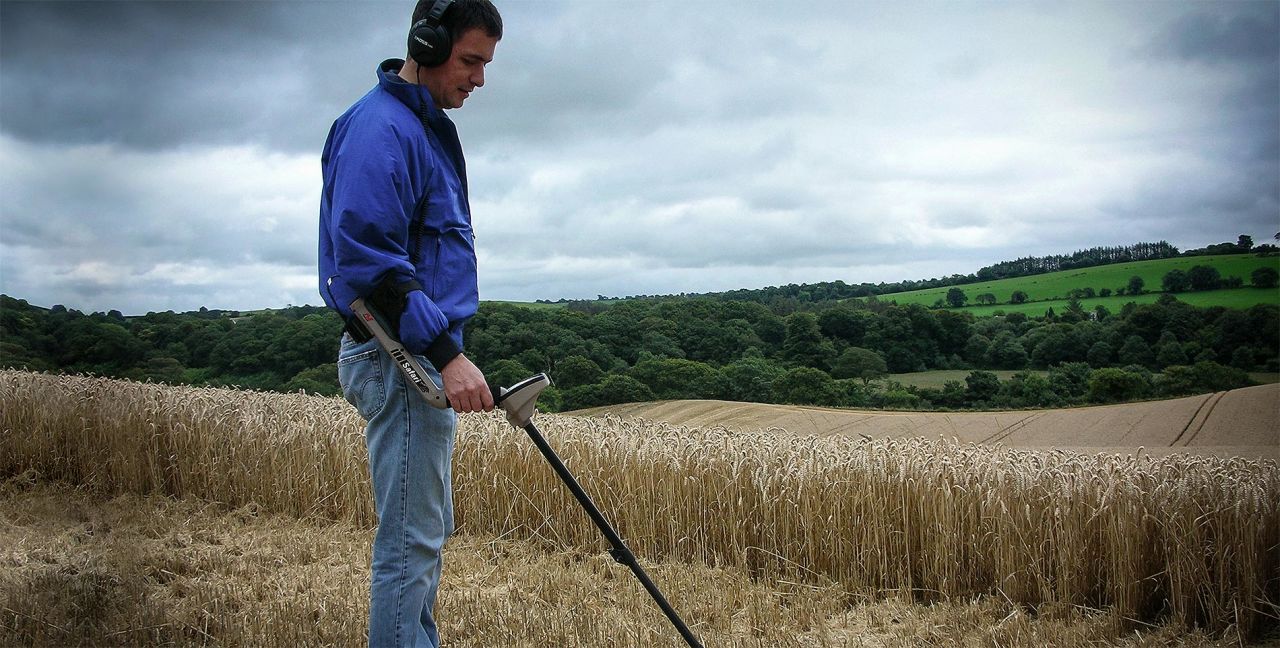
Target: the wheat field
pixel 1184 540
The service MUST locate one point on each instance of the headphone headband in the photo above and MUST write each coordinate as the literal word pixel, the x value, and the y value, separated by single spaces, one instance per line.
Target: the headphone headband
pixel 437 11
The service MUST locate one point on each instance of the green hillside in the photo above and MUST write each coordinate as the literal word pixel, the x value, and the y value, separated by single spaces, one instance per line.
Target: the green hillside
pixel 1051 289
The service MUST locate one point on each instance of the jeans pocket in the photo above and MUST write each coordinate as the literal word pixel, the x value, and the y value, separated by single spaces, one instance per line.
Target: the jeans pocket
pixel 361 378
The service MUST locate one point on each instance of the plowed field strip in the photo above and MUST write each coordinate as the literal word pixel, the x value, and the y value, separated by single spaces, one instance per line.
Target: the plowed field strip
pixel 1247 420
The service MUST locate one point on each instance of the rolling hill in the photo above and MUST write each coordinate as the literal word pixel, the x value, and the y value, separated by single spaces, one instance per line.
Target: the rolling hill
pixel 1244 422
pixel 1051 289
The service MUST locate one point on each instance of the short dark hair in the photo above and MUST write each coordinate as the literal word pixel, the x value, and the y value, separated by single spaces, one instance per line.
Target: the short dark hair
pixel 463 15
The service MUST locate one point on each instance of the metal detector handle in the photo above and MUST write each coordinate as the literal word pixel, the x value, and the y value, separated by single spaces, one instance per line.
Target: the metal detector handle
pixel 413 372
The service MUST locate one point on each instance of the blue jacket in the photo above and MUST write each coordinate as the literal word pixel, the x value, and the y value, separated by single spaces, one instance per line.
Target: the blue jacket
pixel 379 166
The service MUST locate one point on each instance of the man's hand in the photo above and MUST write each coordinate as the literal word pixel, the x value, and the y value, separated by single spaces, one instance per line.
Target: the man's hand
pixel 465 386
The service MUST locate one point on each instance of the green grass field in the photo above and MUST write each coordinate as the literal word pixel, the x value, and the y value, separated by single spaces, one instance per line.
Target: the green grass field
pixel 1050 290
pixel 1232 298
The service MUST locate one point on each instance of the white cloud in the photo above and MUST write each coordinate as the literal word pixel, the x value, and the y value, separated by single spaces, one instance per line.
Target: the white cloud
pixel 84 224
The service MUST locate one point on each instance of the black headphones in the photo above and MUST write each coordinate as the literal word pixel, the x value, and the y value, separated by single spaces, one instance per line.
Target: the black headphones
pixel 430 43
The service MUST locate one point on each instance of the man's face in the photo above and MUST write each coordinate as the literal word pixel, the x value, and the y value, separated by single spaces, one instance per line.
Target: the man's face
pixel 452 82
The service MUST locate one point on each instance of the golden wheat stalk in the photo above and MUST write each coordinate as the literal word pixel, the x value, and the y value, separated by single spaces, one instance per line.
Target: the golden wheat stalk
pixel 1191 538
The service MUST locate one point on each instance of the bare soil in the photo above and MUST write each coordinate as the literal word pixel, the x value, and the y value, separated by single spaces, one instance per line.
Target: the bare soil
pixel 1240 422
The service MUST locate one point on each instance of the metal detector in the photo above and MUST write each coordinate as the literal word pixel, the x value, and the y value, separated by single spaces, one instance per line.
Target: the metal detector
pixel 518 402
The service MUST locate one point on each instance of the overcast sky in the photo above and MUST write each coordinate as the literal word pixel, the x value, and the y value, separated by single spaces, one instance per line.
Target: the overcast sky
pixel 159 156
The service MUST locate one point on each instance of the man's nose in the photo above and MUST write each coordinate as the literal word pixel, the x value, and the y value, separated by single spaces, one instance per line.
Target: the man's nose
pixel 477 79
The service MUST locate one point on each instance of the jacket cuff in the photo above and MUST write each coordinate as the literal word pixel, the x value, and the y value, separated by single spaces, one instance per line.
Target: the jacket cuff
pixel 442 351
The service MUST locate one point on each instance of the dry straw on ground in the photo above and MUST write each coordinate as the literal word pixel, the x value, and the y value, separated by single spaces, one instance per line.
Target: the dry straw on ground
pixel 1188 539
pixel 129 570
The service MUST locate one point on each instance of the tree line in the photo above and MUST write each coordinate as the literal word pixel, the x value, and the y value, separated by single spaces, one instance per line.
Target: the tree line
pixel 836 354
pixel 779 296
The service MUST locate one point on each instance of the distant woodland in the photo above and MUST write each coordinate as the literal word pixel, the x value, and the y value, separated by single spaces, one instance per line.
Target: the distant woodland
pixel 777 349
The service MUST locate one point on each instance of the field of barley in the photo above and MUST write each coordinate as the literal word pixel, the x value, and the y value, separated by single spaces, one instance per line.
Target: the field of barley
pixel 141 514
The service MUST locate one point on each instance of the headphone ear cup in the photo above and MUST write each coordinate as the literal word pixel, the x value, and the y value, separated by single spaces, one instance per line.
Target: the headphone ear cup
pixel 429 45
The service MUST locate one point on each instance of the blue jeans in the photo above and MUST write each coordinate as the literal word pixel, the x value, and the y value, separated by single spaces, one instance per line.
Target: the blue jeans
pixel 410 448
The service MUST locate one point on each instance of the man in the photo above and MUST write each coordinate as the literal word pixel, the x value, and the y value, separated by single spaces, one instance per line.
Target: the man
pixel 395 229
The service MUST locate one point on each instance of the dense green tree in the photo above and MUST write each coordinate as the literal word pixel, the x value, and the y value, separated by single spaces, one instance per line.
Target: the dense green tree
pixel 771 329
pixel 1169 351
pixel 1006 352
pixel 907 337
pixel 1175 281
pixel 981 387
pixel 900 398
pixel 1242 358
pixel 1070 380
pixel 1100 354
pixel 952 395
pixel 1135 285
pixel 1112 385
pixel 1202 377
pixel 1204 277
pixel 1051 349
pixel 321 379
pixel 1018 297
pixel 901 358
pixel 576 370
pixel 751 379
pixel 805 345
pixel 612 390
pixel 863 364
pixel 951 331
pixel 956 298
pixel 807 386
pixel 1231 331
pixel 734 337
pixel 1026 389
pixel 162 369
pixel 1265 277
pixel 846 323
pixel 676 378
pixel 975 349
pixel 853 393
pixel 505 373
pixel 1136 351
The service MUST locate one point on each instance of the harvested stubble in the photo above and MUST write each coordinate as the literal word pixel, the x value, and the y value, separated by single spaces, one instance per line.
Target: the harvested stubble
pixel 1191 539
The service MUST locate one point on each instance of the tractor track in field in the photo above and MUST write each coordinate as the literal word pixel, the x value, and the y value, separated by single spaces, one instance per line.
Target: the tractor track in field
pixel 1197 421
pixel 1010 429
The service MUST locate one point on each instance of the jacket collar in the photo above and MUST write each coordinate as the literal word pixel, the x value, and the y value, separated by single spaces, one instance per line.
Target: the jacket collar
pixel 412 95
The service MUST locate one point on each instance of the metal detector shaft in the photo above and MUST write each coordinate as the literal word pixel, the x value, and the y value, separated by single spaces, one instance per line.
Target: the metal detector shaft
pixel 620 552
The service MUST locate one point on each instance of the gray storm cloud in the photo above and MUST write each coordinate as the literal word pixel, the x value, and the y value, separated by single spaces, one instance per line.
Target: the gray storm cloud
pixel 168 157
